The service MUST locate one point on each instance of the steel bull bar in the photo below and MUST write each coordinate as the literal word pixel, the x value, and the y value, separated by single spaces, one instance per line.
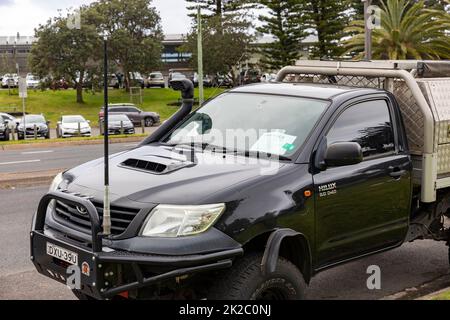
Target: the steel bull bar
pixel 101 265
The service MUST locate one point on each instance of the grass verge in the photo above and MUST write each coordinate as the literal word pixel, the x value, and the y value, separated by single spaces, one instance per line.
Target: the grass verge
pixel 54 104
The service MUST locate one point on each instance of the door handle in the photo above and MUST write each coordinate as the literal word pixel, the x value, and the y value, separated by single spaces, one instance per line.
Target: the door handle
pixel 396 172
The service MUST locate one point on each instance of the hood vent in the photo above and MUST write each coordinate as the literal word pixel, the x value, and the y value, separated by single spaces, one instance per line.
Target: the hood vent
pixel 144 165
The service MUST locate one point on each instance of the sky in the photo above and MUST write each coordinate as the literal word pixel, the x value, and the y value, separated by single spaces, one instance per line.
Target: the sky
pixel 24 15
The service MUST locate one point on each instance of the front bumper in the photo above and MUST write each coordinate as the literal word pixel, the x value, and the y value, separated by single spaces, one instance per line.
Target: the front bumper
pixel 68 134
pixel 107 272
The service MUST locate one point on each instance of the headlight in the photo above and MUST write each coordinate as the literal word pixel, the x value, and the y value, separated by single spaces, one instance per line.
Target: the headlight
pixel 58 181
pixel 178 221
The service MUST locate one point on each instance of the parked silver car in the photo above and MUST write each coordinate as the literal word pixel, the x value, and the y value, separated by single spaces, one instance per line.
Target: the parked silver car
pixel 72 126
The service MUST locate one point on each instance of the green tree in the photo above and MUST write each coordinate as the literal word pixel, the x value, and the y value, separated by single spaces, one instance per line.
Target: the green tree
pixel 134 34
pixel 66 52
pixel 226 49
pixel 286 23
pixel 219 7
pixel 407 32
pixel 327 19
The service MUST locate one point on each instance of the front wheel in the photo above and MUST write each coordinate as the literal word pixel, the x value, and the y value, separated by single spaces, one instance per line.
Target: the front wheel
pixel 245 281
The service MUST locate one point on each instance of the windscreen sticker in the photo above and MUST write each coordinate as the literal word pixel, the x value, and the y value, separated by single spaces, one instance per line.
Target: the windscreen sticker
pixel 274 142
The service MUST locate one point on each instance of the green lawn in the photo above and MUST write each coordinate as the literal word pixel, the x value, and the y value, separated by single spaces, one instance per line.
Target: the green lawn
pixel 53 104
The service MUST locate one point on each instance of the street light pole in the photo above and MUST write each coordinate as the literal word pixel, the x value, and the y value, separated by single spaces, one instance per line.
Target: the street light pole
pixel 200 57
pixel 106 200
pixel 368 31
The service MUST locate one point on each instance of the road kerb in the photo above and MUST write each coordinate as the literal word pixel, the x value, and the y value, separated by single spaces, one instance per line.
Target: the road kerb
pixel 27 179
pixel 49 144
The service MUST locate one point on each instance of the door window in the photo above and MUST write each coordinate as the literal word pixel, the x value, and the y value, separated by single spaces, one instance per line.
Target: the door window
pixel 367 123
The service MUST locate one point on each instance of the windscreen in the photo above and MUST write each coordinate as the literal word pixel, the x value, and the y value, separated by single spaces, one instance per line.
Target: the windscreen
pixel 245 122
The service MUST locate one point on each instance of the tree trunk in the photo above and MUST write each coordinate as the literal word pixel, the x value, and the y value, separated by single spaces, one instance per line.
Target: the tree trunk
pixel 79 87
pixel 126 79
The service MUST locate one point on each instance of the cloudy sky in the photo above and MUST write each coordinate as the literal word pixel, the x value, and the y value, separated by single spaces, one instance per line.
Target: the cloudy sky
pixel 24 15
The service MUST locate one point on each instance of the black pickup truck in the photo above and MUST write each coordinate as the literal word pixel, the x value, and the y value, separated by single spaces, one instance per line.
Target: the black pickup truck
pixel 327 178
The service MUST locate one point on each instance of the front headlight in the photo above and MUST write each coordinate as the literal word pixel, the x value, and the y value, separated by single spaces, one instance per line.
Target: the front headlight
pixel 58 181
pixel 178 221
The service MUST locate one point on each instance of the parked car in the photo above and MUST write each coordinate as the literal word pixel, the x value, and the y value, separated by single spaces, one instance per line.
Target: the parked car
pixel 135 114
pixel 188 73
pixel 176 76
pixel 4 130
pixel 250 76
pixel 33 121
pixel 33 82
pixel 208 81
pixel 223 81
pixel 59 84
pixel 10 120
pixel 72 126
pixel 136 80
pixel 330 181
pixel 120 124
pixel 156 79
pixel 10 80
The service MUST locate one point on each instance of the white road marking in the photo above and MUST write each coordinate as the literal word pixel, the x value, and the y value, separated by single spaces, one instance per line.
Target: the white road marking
pixel 37 152
pixel 17 162
pixel 131 145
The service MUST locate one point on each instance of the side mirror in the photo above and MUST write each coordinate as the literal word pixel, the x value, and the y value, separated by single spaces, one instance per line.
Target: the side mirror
pixel 47 122
pixel 88 121
pixel 343 154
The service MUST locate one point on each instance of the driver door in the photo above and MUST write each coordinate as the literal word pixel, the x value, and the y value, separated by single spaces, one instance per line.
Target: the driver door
pixel 364 207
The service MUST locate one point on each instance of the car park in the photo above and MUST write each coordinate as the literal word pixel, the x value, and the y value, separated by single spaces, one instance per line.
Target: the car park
pixel 73 126
pixel 4 130
pixel 135 114
pixel 33 125
pixel 156 79
pixel 349 169
pixel 120 124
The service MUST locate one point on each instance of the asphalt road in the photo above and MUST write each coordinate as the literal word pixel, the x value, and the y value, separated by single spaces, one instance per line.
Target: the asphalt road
pixel 404 268
pixel 41 159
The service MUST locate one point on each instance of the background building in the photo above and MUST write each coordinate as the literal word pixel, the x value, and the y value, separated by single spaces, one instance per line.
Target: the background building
pixel 15 50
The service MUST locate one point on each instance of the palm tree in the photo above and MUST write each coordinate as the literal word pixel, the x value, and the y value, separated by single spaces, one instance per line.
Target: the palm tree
pixel 408 31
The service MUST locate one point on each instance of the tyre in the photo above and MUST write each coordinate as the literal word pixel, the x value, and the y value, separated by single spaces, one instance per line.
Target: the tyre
pixel 163 86
pixel 149 122
pixel 20 137
pixel 245 281
pixel 6 138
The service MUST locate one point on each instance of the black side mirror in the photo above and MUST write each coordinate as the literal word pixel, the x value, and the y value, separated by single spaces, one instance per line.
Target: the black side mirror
pixel 343 154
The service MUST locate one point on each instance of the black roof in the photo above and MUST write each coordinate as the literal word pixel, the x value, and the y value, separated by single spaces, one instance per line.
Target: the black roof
pixel 316 91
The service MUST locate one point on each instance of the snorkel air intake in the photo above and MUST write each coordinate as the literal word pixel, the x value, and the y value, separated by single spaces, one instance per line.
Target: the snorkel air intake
pixel 187 94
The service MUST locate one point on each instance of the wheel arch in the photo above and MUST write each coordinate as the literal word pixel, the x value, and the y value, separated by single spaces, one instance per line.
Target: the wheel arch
pixel 287 243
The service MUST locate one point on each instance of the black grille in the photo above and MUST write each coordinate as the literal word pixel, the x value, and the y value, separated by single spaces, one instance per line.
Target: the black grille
pixel 144 165
pixel 71 216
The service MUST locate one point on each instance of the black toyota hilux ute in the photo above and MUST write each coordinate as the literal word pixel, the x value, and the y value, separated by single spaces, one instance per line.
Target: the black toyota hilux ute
pixel 322 176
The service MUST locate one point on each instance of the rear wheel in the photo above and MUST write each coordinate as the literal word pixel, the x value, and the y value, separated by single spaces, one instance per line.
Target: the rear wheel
pixel 245 281
pixel 149 122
